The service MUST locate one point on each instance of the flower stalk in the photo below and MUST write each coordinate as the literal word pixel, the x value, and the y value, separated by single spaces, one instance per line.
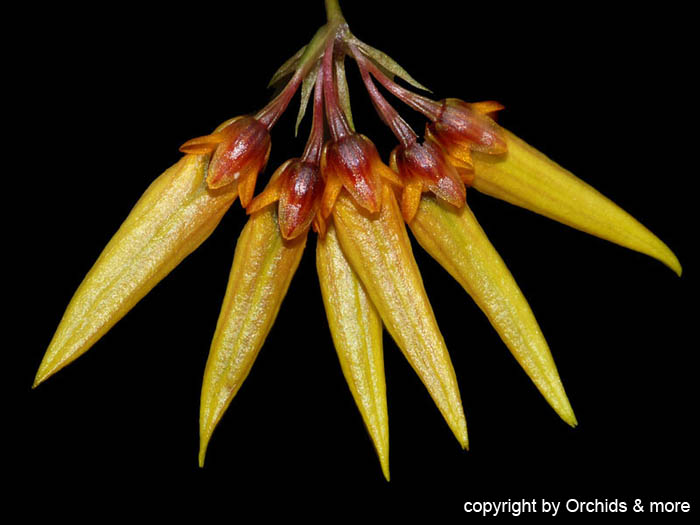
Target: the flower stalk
pixel 274 110
pixel 333 12
pixel 399 127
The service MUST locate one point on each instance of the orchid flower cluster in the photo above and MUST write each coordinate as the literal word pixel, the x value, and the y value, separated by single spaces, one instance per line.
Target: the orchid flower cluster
pixel 359 208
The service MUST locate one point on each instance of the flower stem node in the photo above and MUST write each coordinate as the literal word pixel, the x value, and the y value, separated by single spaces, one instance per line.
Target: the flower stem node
pixel 423 167
pixel 240 152
pixel 352 162
pixel 297 188
pixel 462 128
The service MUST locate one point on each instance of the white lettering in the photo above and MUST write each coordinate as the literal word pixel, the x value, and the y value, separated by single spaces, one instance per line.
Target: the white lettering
pixel 669 506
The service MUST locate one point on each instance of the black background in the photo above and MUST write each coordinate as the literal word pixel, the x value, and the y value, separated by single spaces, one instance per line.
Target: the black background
pixel 112 91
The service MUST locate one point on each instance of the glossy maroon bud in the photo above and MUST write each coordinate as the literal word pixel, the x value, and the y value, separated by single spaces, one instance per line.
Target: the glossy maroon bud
pixel 241 154
pixel 460 126
pixel 426 162
pixel 297 188
pixel 353 160
pixel 301 188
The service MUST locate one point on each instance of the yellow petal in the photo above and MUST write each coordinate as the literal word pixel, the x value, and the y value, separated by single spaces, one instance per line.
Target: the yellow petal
pixel 203 145
pixel 357 335
pixel 173 217
pixel 378 249
pixel 388 174
pixel 267 197
pixel 330 194
pixel 410 198
pixel 455 239
pixel 487 107
pixel 272 191
pixel 525 177
pixel 263 267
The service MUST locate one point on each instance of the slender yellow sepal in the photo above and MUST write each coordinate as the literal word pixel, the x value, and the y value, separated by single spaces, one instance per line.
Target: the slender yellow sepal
pixel 378 249
pixel 455 239
pixel 173 217
pixel 357 335
pixel 263 267
pixel 525 177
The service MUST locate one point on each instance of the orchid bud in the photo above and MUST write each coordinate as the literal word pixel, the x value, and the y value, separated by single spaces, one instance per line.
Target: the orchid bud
pixel 297 187
pixel 300 198
pixel 462 127
pixel 423 167
pixel 242 154
pixel 353 161
pixel 240 149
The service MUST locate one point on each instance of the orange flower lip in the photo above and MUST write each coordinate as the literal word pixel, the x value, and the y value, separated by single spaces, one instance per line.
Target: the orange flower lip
pixel 243 150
